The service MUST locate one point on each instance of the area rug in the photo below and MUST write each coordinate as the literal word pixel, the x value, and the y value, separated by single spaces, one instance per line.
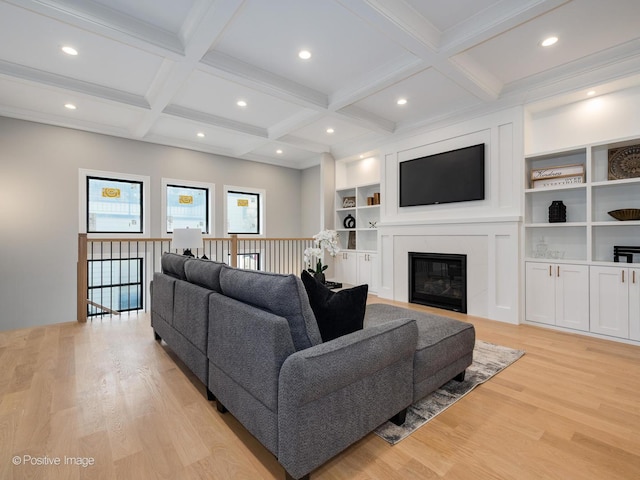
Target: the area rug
pixel 488 359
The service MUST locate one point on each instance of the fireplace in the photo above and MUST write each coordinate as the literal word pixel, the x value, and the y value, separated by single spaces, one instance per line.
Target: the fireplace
pixel 438 280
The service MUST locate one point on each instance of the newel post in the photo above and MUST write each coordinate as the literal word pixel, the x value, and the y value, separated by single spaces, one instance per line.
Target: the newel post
pixel 83 278
pixel 234 250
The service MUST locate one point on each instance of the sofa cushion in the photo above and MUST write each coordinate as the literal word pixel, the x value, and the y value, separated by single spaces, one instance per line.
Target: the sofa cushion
pixel 282 295
pixel 204 273
pixel 441 340
pixel 173 265
pixel 337 313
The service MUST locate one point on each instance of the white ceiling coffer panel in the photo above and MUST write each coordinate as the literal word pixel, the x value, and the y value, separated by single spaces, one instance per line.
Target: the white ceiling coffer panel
pixel 163 71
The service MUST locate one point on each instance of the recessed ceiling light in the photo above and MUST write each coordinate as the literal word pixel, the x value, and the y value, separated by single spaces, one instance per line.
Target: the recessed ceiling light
pixel 200 134
pixel 591 93
pixel 330 130
pixel 361 156
pixel 547 42
pixel 402 101
pixel 304 54
pixel 69 50
pixel 69 106
pixel 241 103
pixel 279 152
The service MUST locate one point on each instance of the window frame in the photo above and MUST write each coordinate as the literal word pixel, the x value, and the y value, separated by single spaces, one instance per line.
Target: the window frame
pixel 211 189
pixel 261 194
pixel 83 202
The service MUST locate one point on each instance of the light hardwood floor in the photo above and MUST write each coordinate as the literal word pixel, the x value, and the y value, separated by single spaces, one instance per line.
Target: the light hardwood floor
pixel 569 409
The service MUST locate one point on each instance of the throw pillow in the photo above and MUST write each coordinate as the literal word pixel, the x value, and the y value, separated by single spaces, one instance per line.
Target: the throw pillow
pixel 337 313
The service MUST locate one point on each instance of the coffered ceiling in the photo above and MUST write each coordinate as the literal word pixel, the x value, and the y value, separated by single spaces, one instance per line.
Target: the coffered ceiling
pixel 164 71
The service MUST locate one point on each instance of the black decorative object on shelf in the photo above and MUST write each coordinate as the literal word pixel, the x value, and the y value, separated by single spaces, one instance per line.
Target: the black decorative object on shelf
pixel 626 252
pixel 349 222
pixel 557 212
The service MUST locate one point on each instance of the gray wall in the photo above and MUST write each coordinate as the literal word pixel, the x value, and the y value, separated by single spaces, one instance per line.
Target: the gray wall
pixel 39 206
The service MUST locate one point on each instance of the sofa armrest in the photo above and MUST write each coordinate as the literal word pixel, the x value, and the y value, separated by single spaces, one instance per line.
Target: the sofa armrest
pixel 333 394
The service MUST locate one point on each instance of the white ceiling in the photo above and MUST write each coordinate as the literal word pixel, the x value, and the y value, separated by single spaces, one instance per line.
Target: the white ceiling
pixel 163 70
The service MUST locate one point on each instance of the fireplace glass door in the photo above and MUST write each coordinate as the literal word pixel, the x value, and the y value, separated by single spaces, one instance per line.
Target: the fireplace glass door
pixel 438 280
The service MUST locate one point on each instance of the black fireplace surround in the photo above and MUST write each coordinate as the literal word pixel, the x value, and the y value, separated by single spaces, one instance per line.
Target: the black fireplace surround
pixel 438 280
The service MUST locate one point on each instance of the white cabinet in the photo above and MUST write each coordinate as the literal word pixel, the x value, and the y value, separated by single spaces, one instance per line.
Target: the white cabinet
pixel 346 268
pixel 357 268
pixel 558 294
pixel 634 304
pixel 368 271
pixel 615 301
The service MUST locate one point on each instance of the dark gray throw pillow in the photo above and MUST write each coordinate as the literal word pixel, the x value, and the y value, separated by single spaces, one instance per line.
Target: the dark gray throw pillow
pixel 337 313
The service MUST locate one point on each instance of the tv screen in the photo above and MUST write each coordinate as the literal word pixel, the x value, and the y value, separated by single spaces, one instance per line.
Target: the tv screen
pixel 455 176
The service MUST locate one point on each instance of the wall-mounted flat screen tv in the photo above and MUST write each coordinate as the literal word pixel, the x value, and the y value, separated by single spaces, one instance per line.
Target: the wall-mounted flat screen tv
pixel 455 176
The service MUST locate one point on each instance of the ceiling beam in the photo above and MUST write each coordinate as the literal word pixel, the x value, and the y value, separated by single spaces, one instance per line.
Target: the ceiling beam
pixel 173 74
pixel 101 19
pixel 214 120
pixel 232 69
pixel 66 83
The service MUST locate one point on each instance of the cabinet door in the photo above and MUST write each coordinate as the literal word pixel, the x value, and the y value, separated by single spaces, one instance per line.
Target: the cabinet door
pixel 540 293
pixel 368 271
pixel 374 286
pixel 572 296
pixel 610 301
pixel 346 268
pixel 634 304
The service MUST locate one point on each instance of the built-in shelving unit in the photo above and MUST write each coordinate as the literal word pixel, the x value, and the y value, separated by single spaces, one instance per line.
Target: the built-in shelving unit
pixel 364 235
pixel 571 279
pixel 357 263
pixel 589 233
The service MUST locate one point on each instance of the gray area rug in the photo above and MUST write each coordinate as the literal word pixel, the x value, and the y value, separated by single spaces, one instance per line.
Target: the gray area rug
pixel 488 359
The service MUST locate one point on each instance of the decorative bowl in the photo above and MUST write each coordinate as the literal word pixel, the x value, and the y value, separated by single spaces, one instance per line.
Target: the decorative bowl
pixel 626 214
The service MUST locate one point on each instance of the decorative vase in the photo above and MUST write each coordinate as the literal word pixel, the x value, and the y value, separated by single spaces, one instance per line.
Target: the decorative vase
pixel 349 222
pixel 320 277
pixel 557 212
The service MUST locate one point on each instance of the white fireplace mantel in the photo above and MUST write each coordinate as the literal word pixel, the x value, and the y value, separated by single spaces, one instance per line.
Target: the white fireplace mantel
pixel 491 247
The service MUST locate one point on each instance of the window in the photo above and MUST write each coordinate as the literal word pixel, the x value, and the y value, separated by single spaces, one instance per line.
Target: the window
pixel 187 207
pixel 115 284
pixel 244 211
pixel 114 206
pixel 187 204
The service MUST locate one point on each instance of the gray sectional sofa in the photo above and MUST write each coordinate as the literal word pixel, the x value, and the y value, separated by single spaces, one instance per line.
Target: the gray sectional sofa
pixel 252 339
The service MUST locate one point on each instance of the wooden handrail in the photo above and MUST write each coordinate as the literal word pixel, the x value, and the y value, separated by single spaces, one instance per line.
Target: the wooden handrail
pixel 102 307
pixel 206 239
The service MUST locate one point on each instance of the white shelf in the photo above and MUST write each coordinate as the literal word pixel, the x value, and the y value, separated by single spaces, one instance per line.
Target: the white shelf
pixel 556 188
pixel 590 233
pixel 556 225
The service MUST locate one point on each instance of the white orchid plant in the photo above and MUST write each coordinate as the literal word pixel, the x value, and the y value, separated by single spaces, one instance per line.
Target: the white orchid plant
pixel 324 240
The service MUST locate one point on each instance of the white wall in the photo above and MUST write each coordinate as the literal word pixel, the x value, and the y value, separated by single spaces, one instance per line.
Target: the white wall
pixel 487 231
pixel 311 201
pixel 39 206
pixel 594 120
